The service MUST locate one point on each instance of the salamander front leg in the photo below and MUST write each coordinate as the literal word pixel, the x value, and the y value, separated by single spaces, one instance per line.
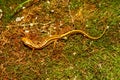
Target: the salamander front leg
pixel 33 50
pixel 55 41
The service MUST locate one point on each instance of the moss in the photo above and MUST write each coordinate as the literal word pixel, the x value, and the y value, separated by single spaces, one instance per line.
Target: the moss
pixel 76 57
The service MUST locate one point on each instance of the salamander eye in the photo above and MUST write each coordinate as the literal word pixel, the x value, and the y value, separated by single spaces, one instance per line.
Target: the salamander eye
pixel 24 39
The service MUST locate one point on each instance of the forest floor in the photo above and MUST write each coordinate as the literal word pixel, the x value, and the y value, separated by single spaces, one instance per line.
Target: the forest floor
pixel 73 57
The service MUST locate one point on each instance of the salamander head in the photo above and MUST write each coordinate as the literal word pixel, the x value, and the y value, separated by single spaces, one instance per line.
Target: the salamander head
pixel 29 42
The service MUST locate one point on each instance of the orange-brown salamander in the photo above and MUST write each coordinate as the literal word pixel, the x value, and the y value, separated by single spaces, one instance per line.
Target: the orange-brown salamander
pixel 51 39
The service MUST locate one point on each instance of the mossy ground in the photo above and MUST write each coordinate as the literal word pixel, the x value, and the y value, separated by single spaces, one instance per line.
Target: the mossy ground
pixel 73 58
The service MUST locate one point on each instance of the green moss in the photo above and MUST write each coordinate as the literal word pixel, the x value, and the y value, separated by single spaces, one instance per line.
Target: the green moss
pixel 83 59
pixel 9 12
